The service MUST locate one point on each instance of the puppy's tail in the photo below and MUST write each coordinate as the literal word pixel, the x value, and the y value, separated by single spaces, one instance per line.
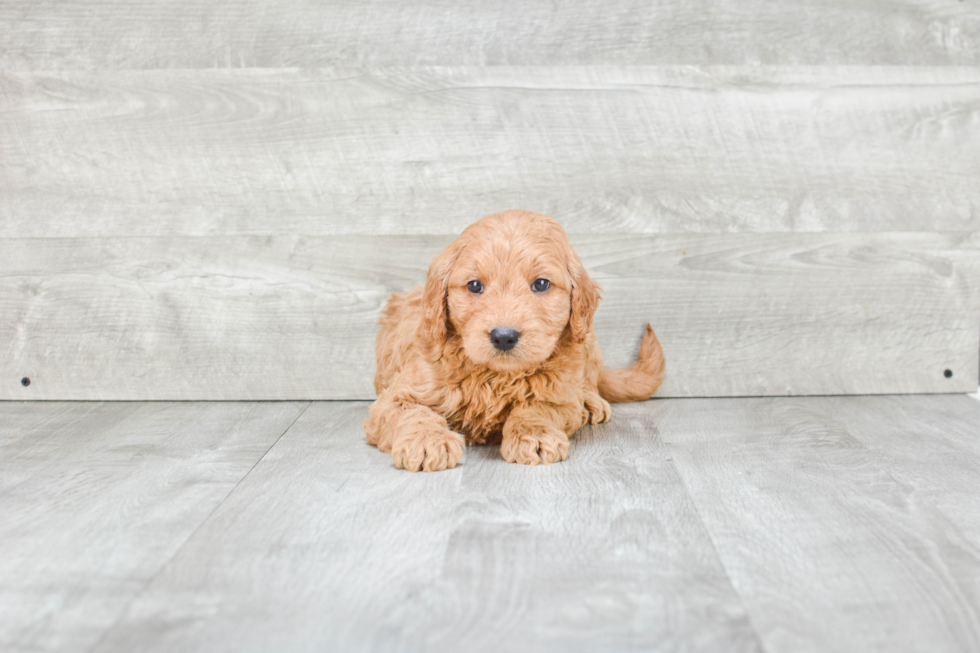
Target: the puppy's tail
pixel 641 379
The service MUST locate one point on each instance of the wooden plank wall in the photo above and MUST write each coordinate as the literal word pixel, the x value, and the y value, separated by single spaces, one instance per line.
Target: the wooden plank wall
pixel 428 150
pixel 136 34
pixel 194 197
pixel 249 317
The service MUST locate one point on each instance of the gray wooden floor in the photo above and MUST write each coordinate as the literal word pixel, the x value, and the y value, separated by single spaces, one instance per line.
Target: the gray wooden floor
pixel 775 524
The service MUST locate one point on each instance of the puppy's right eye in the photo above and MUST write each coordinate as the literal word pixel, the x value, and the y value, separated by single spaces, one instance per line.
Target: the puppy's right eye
pixel 475 287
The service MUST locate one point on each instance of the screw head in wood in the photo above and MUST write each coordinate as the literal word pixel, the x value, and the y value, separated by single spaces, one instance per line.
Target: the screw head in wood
pixel 25 382
pixel 948 373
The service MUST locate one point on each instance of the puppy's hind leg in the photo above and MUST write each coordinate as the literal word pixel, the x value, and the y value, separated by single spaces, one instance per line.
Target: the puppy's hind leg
pixel 598 408
pixel 416 436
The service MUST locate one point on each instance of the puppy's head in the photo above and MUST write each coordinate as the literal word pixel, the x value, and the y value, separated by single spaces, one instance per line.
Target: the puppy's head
pixel 509 287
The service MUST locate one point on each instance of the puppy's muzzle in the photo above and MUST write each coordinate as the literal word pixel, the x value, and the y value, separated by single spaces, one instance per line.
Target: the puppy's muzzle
pixel 504 338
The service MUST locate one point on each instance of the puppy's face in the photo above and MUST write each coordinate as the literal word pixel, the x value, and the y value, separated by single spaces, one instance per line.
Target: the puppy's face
pixel 508 287
pixel 509 300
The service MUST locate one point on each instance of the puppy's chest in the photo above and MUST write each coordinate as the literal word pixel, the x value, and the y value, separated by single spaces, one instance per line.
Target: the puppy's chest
pixel 479 407
pixel 479 428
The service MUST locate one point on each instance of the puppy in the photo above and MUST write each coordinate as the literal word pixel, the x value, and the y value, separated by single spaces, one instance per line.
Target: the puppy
pixel 498 344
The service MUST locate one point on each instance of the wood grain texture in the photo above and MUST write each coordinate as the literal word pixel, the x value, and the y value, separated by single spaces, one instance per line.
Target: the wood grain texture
pixel 293 318
pixel 230 34
pixel 939 459
pixel 785 524
pixel 828 543
pixel 96 498
pixel 430 150
pixel 603 552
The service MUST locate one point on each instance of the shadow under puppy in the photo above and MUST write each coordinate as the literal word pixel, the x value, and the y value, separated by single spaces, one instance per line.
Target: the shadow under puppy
pixel 498 344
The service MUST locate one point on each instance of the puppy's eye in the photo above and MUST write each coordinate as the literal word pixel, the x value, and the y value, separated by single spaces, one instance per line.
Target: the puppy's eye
pixel 475 287
pixel 540 285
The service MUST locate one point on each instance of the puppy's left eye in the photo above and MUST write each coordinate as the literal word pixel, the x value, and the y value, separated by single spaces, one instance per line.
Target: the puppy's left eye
pixel 540 285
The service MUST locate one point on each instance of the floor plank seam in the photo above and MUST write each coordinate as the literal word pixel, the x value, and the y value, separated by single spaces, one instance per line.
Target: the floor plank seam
pixel 714 549
pixel 183 545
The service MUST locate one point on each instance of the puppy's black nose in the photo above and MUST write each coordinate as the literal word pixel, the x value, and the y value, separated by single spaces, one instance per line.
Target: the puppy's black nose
pixel 505 338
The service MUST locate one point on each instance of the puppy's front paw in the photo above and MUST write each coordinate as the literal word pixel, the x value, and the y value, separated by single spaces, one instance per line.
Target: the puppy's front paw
pixel 535 448
pixel 431 451
pixel 599 409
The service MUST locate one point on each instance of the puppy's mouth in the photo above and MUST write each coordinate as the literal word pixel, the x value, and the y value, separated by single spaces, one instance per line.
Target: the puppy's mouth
pixel 508 358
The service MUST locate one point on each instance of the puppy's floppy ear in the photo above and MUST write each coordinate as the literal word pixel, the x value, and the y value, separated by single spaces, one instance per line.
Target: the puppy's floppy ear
pixel 586 294
pixel 434 328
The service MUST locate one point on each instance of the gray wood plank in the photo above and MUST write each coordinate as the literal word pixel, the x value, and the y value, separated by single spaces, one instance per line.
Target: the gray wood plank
pixel 231 34
pixel 939 458
pixel 322 539
pixel 603 552
pixel 827 543
pixel 293 317
pixel 429 150
pixel 96 498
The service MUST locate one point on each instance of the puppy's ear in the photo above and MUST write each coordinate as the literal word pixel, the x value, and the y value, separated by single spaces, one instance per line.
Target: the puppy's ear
pixel 586 294
pixel 434 328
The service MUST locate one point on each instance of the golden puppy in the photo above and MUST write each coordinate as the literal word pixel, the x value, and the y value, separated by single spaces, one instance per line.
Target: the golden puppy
pixel 498 343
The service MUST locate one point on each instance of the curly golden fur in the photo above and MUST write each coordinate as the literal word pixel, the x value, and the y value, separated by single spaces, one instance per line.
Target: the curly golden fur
pixel 441 380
